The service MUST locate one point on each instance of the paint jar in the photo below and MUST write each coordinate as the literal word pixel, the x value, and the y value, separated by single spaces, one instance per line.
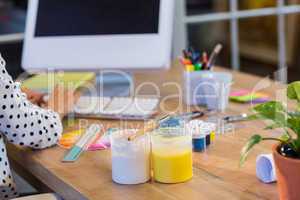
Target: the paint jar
pixel 199 142
pixel 212 135
pixel 130 159
pixel 207 139
pixel 172 155
pixel 199 129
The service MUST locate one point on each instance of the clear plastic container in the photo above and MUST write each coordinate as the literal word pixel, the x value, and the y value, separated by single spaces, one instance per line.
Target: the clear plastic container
pixel 172 155
pixel 130 159
pixel 207 88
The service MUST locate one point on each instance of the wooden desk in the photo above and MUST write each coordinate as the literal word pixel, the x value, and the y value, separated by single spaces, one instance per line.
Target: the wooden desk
pixel 216 172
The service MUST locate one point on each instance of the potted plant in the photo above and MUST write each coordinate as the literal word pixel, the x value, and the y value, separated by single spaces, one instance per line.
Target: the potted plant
pixel 286 152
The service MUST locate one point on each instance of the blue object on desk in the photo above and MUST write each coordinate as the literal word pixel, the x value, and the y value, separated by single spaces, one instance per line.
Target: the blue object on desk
pixel 199 143
pixel 171 122
pixel 73 154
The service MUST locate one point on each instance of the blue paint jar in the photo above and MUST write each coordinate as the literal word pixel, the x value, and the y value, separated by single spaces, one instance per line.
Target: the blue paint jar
pixel 199 143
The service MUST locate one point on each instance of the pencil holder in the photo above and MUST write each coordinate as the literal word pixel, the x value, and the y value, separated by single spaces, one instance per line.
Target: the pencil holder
pixel 207 88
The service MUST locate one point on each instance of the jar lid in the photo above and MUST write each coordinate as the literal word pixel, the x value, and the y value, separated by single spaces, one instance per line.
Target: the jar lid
pixel 170 131
pixel 171 122
pixel 199 127
pixel 198 136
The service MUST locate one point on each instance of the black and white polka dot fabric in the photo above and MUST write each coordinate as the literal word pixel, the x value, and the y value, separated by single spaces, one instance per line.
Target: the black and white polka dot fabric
pixel 21 123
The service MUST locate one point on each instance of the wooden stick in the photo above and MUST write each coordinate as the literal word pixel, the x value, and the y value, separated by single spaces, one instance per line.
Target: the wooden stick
pixel 149 126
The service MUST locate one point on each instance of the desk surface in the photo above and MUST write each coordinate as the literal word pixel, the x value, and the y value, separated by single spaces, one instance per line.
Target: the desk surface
pixel 216 172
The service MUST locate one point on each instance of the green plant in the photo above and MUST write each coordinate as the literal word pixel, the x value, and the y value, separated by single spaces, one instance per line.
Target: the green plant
pixel 277 113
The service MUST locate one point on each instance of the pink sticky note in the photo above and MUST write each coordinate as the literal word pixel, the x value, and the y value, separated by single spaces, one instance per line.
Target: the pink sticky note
pixel 97 146
pixel 239 93
pixel 102 143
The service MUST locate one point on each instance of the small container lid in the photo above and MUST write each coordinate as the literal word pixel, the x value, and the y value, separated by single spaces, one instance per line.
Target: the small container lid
pixel 199 127
pixel 171 122
pixel 198 136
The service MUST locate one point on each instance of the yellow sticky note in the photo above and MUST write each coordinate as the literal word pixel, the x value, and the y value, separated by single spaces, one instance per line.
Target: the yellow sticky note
pixel 46 81
pixel 67 140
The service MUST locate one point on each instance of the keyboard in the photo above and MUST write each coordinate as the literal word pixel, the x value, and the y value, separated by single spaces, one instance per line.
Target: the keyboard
pixel 134 108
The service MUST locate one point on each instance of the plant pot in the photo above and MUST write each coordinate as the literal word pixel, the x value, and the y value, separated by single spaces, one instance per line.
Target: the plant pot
pixel 288 176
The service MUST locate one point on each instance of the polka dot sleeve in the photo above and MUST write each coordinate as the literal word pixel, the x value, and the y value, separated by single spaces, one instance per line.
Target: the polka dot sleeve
pixel 22 122
pixel 3 71
pixel 7 186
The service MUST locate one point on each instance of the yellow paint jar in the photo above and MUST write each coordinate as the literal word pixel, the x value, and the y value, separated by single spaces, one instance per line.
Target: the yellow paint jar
pixel 212 136
pixel 172 157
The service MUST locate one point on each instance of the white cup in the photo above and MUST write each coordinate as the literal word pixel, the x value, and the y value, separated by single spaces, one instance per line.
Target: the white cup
pixel 130 159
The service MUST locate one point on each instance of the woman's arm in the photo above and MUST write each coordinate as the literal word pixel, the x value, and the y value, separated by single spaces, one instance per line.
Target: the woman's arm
pixel 22 122
pixel 34 97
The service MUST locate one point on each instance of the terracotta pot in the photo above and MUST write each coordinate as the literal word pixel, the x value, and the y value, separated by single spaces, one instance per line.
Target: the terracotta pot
pixel 288 176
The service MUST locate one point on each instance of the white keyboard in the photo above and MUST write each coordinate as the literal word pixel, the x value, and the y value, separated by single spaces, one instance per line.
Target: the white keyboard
pixel 135 108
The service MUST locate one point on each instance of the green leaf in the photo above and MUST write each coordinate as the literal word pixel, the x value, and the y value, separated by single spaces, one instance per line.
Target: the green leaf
pixel 293 91
pixel 284 137
pixel 272 110
pixel 294 113
pixel 273 106
pixel 294 124
pixel 295 144
pixel 255 139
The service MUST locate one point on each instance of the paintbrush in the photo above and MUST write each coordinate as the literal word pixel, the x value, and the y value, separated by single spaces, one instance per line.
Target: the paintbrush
pixel 149 126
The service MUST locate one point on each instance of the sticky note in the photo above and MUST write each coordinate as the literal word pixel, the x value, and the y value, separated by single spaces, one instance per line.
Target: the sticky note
pixel 103 142
pixel 47 81
pixel 69 139
pixel 245 96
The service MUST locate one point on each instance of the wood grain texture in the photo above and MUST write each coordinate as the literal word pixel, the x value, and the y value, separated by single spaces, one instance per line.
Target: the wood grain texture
pixel 216 172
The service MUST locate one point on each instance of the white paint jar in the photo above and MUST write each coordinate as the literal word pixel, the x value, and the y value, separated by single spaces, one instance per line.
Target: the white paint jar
pixel 130 159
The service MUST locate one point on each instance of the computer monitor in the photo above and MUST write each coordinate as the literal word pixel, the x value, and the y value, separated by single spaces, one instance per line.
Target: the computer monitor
pixel 84 35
